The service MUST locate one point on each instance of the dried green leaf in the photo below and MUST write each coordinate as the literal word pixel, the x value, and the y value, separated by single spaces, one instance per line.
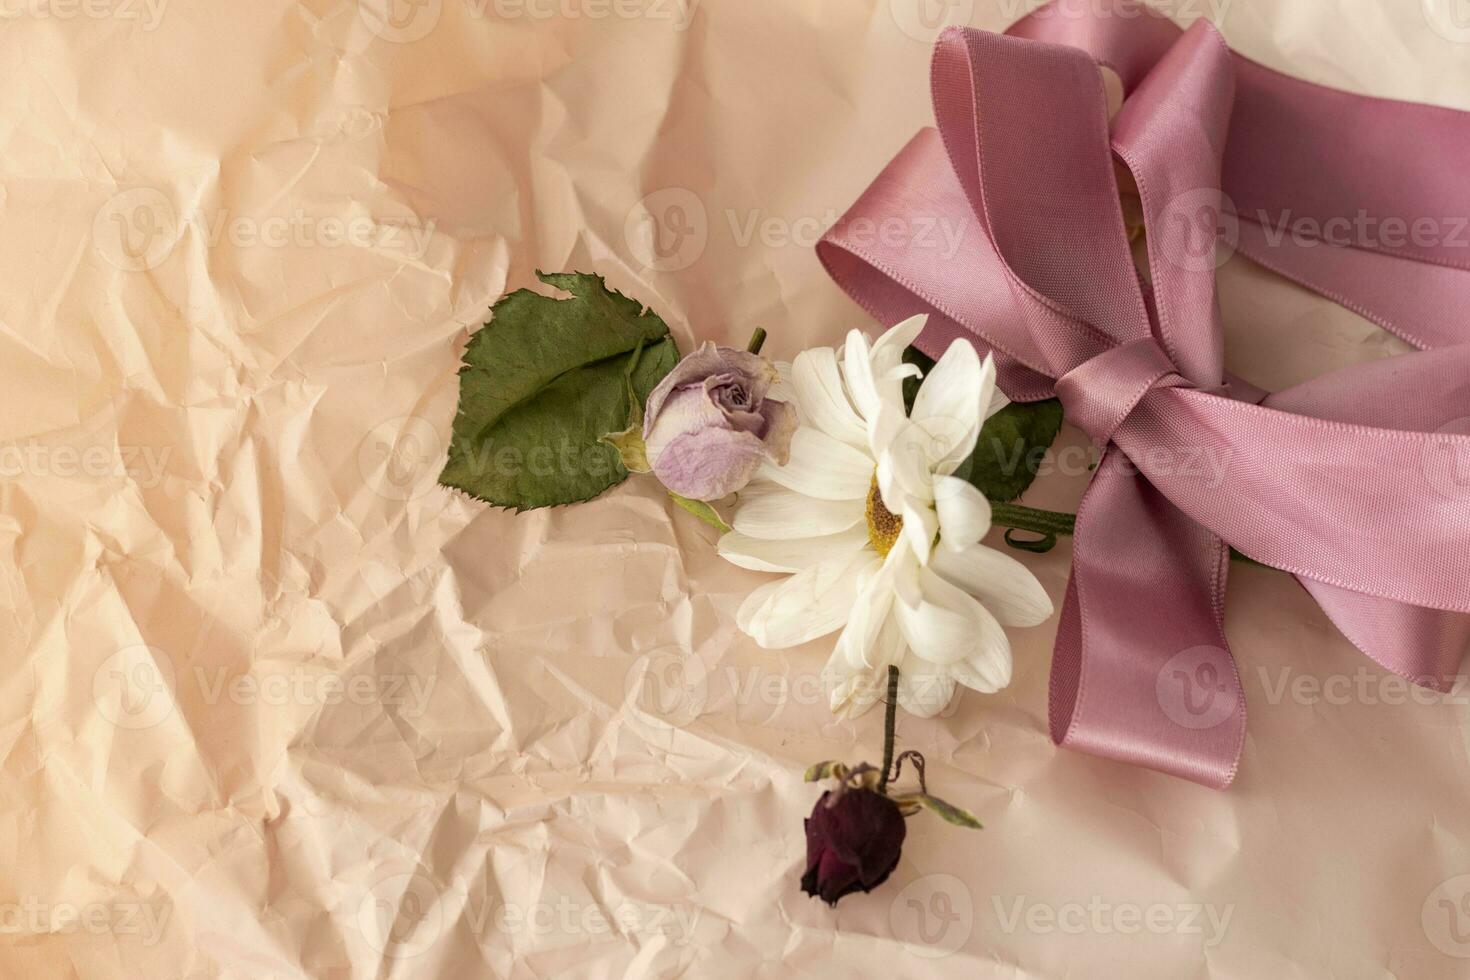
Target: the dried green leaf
pixel 950 812
pixel 826 770
pixel 703 511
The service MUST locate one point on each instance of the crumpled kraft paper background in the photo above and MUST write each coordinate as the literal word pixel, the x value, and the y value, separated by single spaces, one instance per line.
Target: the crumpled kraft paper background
pixel 277 706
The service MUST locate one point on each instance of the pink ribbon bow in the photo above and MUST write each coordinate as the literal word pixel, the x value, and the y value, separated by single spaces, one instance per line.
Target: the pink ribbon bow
pixel 1357 483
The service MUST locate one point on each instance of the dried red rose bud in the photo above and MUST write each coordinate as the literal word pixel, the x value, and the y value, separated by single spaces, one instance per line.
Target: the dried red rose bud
pixel 853 840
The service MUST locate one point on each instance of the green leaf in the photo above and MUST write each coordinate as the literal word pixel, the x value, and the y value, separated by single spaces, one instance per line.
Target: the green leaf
pixel 826 770
pixel 1011 444
pixel 542 383
pixel 950 812
pixel 703 511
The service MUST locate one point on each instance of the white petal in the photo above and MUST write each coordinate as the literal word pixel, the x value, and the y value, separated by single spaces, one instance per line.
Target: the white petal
pixel 789 554
pixel 943 624
pixel 923 690
pixel 857 371
pixel 920 526
pixel 888 349
pixel 903 470
pixel 986 672
pixel 855 688
pixel 870 614
pixel 889 426
pixel 854 694
pixel 809 604
pixel 821 466
pixel 998 399
pixel 821 398
pixel 948 406
pixel 754 602
pixel 769 511
pixel 875 375
pixel 1005 586
pixel 964 513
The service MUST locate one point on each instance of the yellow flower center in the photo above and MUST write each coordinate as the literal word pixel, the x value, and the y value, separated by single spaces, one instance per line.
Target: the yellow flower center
pixel 883 525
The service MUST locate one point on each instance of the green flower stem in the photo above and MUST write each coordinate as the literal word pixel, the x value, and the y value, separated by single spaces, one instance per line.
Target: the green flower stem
pixel 1051 523
pixel 889 719
pixel 1032 519
pixel 757 340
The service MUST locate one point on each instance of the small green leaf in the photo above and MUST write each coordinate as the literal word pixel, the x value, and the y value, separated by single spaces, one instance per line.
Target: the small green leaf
pixel 1011 444
pixel 632 451
pixel 543 382
pixel 826 770
pixel 703 511
pixel 1011 448
pixel 950 812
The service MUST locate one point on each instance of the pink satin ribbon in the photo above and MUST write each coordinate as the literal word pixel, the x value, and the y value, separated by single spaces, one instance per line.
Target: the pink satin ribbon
pixel 1357 483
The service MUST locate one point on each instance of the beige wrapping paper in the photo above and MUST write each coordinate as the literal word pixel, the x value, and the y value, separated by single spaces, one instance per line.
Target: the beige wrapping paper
pixel 277 706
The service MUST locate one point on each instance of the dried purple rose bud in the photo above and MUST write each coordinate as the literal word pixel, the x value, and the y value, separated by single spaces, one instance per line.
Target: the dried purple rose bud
pixel 853 840
pixel 708 425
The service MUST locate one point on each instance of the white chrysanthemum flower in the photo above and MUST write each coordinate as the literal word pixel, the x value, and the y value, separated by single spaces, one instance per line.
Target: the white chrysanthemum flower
pixel 879 540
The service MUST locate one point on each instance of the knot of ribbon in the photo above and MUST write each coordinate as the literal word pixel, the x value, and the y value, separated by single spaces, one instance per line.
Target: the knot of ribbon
pixel 1356 482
